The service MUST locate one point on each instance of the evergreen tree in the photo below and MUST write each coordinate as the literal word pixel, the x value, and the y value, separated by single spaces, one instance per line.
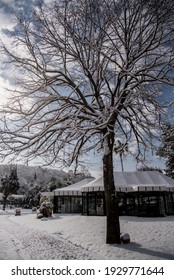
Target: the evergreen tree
pixel 9 184
pixel 35 176
pixel 167 148
pixel 52 184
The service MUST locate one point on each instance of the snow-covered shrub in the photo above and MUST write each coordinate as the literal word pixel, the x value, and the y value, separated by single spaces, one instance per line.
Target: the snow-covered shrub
pixel 42 199
pixel 46 209
pixel 39 216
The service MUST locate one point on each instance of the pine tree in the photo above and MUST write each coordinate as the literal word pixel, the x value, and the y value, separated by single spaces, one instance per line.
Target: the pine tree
pixel 167 148
pixel 9 184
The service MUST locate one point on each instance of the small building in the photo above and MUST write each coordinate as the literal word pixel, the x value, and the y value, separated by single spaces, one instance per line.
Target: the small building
pixel 69 199
pixel 13 198
pixel 16 199
pixel 141 193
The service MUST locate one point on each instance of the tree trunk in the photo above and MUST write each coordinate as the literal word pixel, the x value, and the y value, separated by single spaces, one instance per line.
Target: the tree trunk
pixel 113 225
pixel 4 203
pixel 121 160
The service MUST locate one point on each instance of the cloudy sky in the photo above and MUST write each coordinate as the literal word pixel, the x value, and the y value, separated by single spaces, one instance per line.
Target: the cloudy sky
pixel 6 22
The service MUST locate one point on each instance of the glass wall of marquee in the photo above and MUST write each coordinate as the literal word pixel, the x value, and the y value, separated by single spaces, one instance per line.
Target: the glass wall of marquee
pixel 93 203
pixel 68 204
pixel 149 204
pixel 69 199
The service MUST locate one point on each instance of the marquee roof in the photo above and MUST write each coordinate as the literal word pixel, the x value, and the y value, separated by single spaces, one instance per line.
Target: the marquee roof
pixel 124 182
pixel 74 189
pixel 134 181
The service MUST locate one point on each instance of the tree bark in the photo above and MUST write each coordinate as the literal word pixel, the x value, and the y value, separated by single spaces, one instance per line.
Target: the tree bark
pixel 112 211
pixel 4 202
pixel 121 160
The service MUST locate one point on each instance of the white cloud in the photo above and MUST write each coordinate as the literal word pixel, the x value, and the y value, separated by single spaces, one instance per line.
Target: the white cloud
pixel 4 94
pixel 5 21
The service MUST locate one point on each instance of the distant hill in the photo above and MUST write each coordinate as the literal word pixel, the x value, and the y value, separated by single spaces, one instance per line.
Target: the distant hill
pixel 34 175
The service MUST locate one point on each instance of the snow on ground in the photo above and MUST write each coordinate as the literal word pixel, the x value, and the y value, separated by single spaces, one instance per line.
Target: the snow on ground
pixel 67 236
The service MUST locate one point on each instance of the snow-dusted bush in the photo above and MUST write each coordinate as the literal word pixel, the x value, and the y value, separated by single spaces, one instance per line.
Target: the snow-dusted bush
pixel 46 209
pixel 39 216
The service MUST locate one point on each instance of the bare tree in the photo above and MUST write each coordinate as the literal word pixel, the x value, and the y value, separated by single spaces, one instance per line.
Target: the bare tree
pixel 87 71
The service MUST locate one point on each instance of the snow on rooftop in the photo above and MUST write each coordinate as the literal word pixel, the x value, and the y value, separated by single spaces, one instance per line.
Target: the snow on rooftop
pixel 16 196
pixel 142 178
pixel 134 181
pixel 74 189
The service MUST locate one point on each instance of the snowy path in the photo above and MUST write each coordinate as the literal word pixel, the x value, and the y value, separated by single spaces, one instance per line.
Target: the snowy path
pixel 66 236
pixel 26 243
pixel 8 244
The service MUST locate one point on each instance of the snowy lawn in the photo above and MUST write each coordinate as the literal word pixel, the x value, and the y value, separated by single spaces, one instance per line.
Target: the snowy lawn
pixel 67 236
